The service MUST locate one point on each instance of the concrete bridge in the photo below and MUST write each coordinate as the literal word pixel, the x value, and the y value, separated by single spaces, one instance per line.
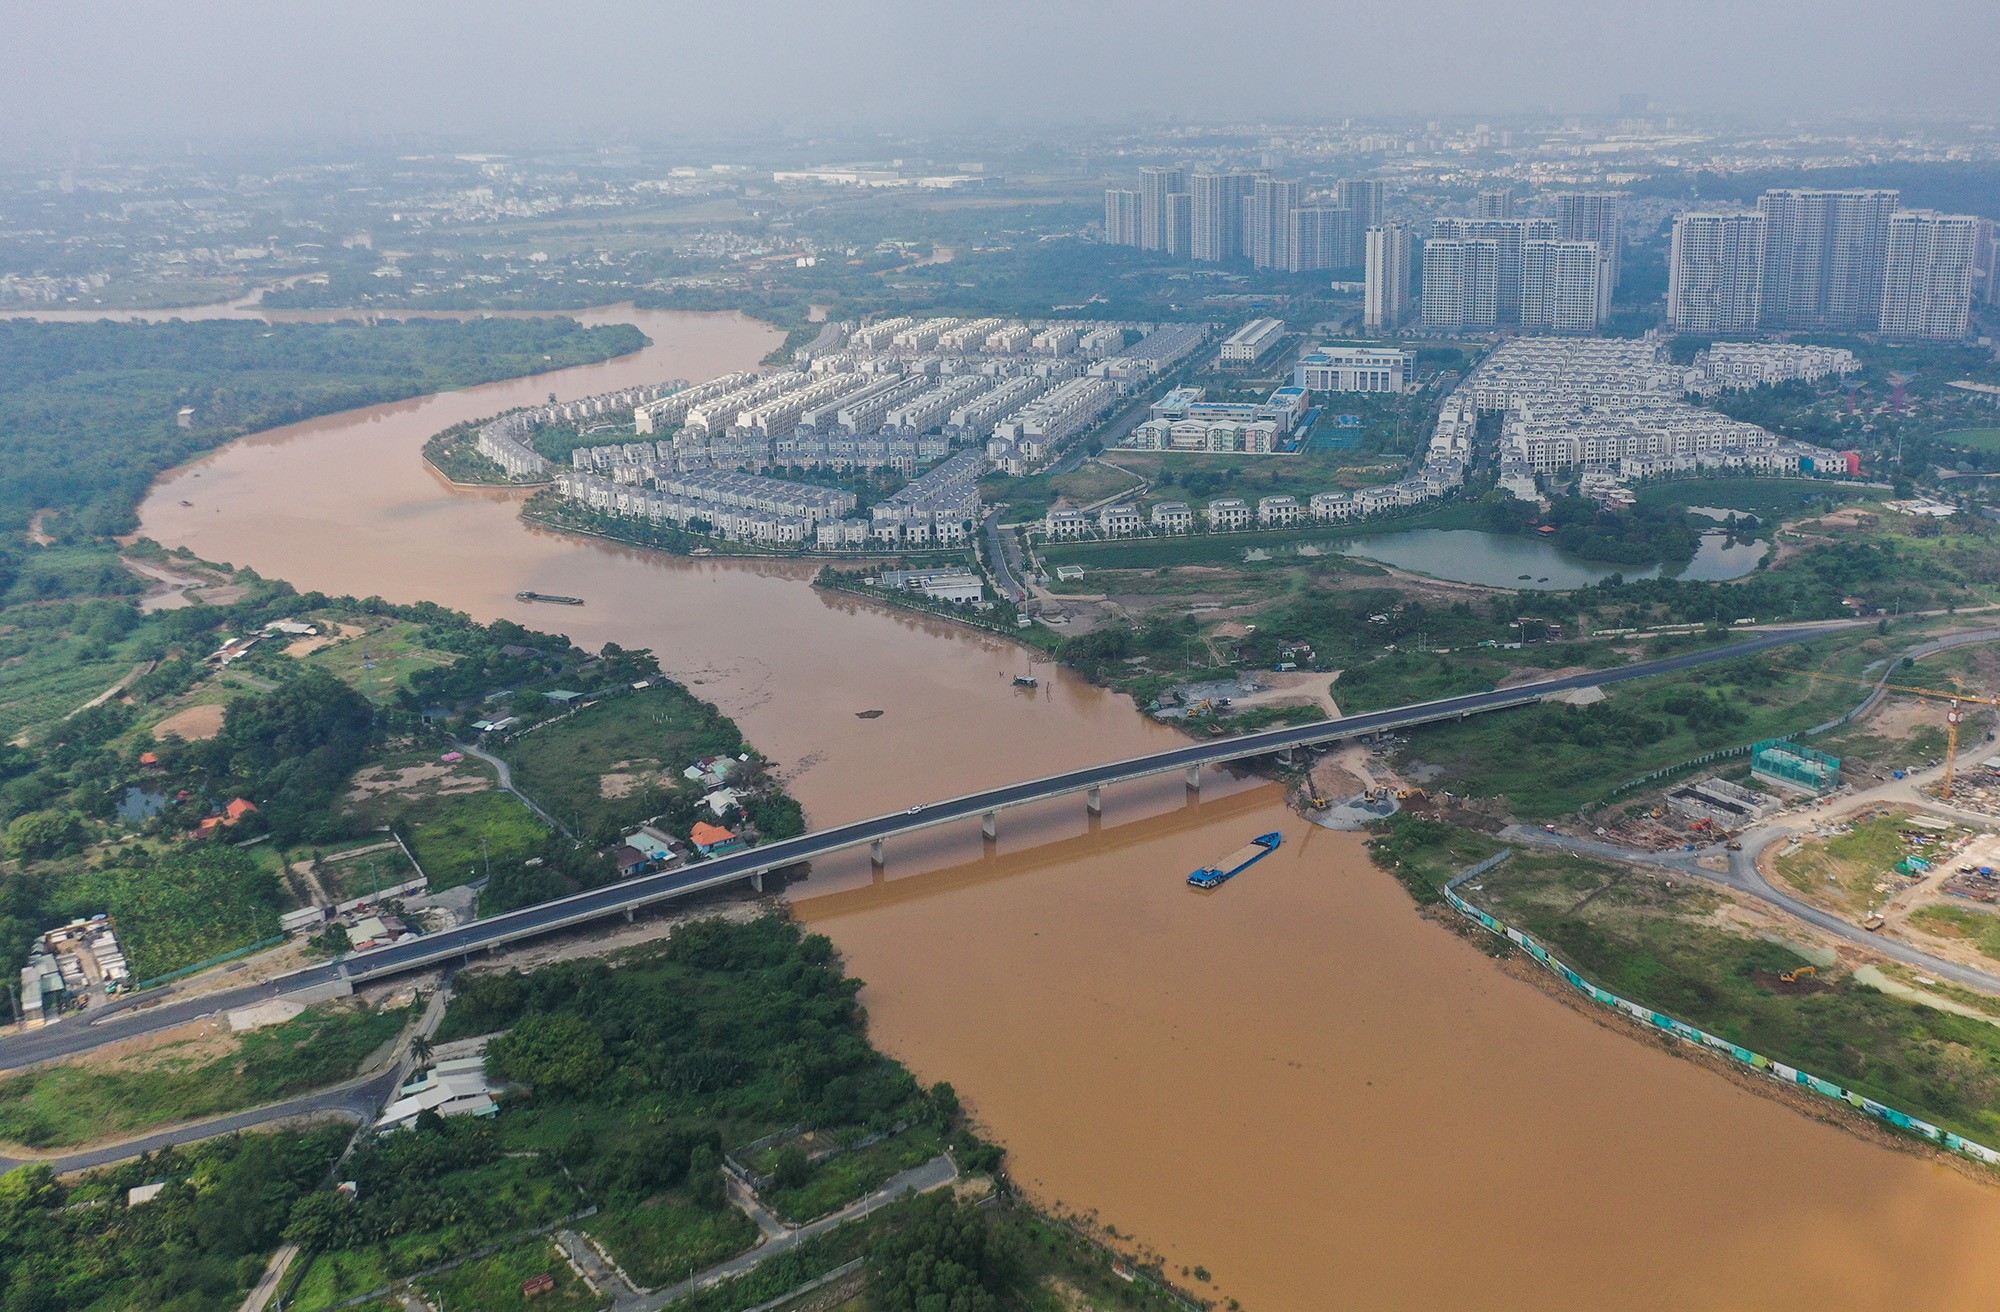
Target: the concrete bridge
pixel 750 866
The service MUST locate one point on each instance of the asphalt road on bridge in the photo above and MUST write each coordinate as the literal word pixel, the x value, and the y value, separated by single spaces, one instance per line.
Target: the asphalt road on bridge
pixel 80 1034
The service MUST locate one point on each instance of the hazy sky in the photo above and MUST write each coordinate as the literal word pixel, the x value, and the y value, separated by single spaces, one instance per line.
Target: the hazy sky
pixel 82 71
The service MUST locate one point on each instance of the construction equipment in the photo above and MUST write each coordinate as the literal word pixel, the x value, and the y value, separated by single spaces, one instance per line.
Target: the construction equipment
pixel 1410 795
pixel 1951 718
pixel 1803 972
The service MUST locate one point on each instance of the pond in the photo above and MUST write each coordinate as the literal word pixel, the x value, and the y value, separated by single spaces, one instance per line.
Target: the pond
pixel 1498 560
pixel 141 804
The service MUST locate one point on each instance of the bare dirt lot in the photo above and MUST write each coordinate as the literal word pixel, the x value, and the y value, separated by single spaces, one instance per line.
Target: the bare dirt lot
pixel 430 778
pixel 193 724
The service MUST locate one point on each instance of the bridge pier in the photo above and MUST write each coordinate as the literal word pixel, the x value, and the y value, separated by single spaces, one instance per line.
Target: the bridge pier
pixel 1093 801
pixel 628 915
pixel 757 882
pixel 1194 778
pixel 989 826
pixel 876 853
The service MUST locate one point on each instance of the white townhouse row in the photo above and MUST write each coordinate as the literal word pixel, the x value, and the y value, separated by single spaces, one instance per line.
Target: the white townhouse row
pixel 980 413
pixel 929 409
pixel 504 441
pixel 719 412
pixel 1030 435
pixel 781 413
pixel 1733 366
pixel 658 416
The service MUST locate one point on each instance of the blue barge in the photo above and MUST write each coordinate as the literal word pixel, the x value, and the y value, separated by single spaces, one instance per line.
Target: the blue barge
pixel 1236 862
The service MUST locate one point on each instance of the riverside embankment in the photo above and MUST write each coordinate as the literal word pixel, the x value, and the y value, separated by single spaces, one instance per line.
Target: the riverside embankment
pixel 1297 1082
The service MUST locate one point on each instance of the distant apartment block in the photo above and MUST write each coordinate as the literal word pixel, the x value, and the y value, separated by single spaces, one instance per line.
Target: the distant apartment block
pixel 1156 210
pixel 1715 273
pixel 1928 275
pixel 1121 218
pixel 1389 258
pixel 1831 260
pixel 1824 256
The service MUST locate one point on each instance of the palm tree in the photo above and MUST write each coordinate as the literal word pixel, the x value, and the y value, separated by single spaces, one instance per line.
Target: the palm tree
pixel 420 1048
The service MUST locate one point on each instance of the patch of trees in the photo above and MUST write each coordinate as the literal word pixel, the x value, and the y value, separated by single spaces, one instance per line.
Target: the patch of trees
pixel 200 1244
pixel 753 1018
pixel 178 908
pixel 941 1256
pixel 88 410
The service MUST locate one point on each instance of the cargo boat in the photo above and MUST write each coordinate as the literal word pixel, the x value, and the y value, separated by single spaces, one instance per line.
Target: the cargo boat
pixel 1236 862
pixel 548 596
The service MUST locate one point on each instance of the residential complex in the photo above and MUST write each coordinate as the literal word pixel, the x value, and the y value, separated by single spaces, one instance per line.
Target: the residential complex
pixel 900 394
pixel 1614 405
pixel 1825 260
pixel 1603 409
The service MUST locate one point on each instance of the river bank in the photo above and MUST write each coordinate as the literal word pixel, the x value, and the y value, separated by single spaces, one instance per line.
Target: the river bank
pixel 1386 1084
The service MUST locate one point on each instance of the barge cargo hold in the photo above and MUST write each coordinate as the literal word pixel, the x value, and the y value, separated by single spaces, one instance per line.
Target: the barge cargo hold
pixel 548 596
pixel 1236 862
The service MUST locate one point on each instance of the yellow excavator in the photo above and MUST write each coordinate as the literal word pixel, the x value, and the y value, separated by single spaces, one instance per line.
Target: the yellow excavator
pixel 1803 972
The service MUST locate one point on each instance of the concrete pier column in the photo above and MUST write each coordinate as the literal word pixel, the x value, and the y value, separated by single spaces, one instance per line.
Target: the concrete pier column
pixel 1194 778
pixel 875 853
pixel 988 825
pixel 1093 801
pixel 628 915
pixel 757 881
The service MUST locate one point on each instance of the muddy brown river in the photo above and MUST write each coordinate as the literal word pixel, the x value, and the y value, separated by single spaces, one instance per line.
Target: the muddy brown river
pixel 1295 1082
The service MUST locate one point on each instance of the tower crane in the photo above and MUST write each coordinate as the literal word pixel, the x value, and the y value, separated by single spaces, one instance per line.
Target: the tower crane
pixel 1952 714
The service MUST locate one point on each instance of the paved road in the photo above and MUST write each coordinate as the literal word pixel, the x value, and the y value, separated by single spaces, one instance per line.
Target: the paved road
pixel 934 1174
pixel 357 1100
pixel 453 945
pixel 1003 555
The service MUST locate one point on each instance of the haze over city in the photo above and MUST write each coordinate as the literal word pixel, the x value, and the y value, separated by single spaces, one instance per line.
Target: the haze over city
pixel 228 70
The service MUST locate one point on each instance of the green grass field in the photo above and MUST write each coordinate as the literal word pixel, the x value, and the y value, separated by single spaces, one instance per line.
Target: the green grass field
pixel 1550 759
pixel 1973 439
pixel 493 1284
pixel 563 763
pixel 660 1242
pixel 1981 928
pixel 1763 497
pixel 60 1106
pixel 840 1180
pixel 456 835
pixel 378 664
pixel 515 1194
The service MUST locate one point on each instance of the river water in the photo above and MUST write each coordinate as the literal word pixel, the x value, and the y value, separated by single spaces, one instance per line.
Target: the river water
pixel 1296 1081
